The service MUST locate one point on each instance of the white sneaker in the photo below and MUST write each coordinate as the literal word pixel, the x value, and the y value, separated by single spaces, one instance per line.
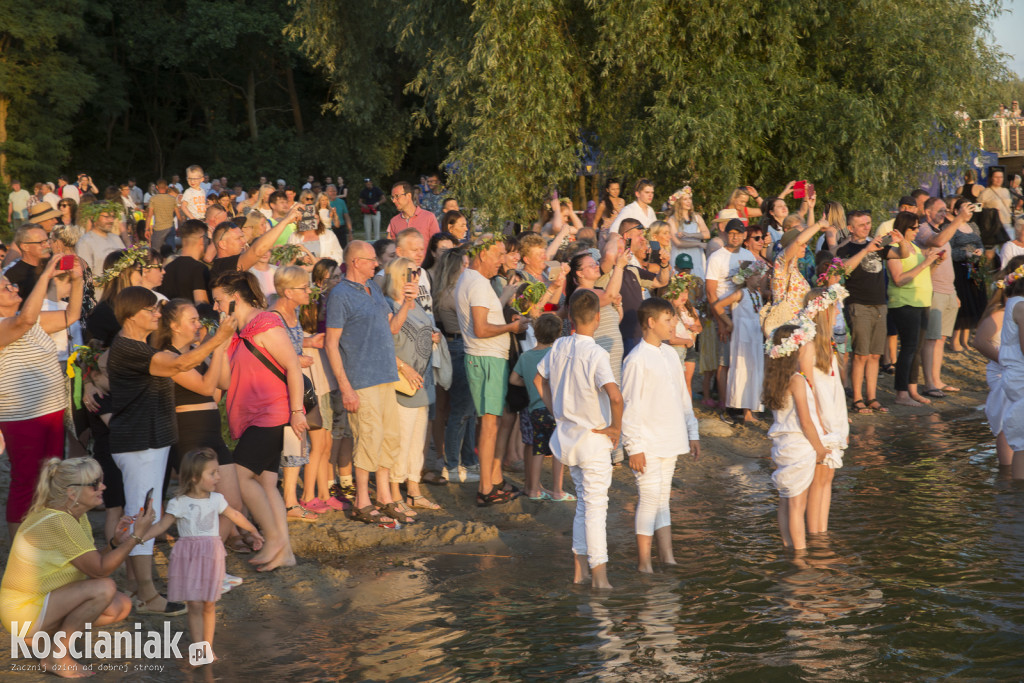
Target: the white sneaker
pixel 225 587
pixel 468 473
pixel 456 476
pixel 233 580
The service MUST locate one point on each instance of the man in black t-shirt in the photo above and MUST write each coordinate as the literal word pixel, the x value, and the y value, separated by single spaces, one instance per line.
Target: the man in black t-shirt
pixel 369 203
pixel 867 305
pixel 187 277
pixel 231 248
pixel 34 244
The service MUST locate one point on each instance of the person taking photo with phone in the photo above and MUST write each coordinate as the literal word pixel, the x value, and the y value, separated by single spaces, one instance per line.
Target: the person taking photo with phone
pixel 32 393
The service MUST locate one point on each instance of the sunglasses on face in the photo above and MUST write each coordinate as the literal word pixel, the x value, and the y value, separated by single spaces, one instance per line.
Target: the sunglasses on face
pixel 94 485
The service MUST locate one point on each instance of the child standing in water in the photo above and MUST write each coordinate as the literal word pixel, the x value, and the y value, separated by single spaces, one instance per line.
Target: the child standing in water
pixel 746 361
pixel 658 425
pixel 577 386
pixel 821 306
pixel 681 291
pixel 196 569
pixel 547 329
pixel 796 434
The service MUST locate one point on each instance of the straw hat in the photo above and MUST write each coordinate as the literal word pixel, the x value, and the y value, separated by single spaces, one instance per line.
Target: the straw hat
pixel 42 212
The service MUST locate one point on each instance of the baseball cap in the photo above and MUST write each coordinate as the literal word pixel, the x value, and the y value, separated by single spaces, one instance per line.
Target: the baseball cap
pixel 734 225
pixel 684 262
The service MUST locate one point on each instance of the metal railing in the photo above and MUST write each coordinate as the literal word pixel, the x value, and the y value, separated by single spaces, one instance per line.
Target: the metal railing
pixel 1005 137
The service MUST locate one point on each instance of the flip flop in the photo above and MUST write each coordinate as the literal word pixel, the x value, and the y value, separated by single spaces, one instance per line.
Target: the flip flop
pixel 933 393
pixel 544 495
pixel 303 516
pixel 950 389
pixel 566 498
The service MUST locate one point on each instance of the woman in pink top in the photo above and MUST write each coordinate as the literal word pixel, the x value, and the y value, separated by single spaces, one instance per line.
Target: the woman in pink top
pixel 260 406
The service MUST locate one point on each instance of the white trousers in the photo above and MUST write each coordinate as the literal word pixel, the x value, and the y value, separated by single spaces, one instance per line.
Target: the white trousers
pixel 371 224
pixel 654 487
pixel 412 426
pixel 589 529
pixel 142 471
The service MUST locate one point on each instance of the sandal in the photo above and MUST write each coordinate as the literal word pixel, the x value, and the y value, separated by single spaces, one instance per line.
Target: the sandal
pixel 171 609
pixel 495 497
pixel 709 403
pixel 303 514
pixel 860 407
pixel 510 490
pixel 371 515
pixel 875 405
pixel 434 479
pixel 566 497
pixel 427 504
pixel 237 544
pixel 950 389
pixel 888 368
pixel 933 393
pixel 392 510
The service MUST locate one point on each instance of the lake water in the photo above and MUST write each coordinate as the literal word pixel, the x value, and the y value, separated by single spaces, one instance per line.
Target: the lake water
pixel 920 578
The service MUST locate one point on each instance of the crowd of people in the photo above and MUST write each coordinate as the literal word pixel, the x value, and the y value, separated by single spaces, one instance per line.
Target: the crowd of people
pixel 128 319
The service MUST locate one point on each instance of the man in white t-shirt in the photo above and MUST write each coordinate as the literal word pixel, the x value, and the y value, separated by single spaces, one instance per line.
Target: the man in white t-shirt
pixel 193 200
pixel 722 265
pixel 485 335
pixel 640 209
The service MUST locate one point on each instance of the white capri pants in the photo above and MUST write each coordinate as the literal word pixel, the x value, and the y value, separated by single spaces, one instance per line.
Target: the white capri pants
pixel 412 427
pixel 654 487
pixel 589 533
pixel 142 471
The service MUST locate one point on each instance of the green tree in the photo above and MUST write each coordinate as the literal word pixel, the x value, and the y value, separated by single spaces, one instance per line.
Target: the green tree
pixel 855 95
pixel 42 85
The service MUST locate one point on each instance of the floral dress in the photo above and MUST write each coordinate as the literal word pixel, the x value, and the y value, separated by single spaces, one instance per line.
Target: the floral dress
pixel 789 286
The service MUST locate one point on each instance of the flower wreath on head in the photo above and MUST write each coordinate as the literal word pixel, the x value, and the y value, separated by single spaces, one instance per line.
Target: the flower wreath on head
pixel 830 297
pixel 1010 278
pixel 806 331
pixel 753 270
pixel 134 256
pixel 836 268
pixel 485 242
pixel 684 191
pixel 92 211
pixel 680 283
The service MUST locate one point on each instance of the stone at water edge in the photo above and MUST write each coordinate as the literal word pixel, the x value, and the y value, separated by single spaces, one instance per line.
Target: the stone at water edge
pixel 712 426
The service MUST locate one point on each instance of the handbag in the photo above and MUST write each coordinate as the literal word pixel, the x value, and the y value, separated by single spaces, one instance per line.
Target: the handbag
pixel 368 210
pixel 991 228
pixel 774 316
pixel 309 401
pixel 441 360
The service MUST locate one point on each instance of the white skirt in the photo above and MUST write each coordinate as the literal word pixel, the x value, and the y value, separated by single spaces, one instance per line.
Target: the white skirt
pixel 995 404
pixel 794 460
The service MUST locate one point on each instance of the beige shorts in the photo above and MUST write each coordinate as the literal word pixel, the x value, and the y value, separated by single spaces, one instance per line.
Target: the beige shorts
pixel 375 428
pixel 942 316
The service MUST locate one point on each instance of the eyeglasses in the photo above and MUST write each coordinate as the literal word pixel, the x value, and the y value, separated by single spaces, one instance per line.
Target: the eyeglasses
pixel 396 196
pixel 10 286
pixel 153 266
pixel 94 485
pixel 306 287
pixel 756 238
pixel 365 258
pixel 153 310
pixel 46 241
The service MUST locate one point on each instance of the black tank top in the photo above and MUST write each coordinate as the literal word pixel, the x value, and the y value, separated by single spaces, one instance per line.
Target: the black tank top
pixel 187 397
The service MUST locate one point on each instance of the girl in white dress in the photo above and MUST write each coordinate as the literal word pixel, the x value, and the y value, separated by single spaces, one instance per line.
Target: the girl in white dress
pixel 987 342
pixel 797 435
pixel 689 231
pixel 821 307
pixel 1011 358
pixel 746 360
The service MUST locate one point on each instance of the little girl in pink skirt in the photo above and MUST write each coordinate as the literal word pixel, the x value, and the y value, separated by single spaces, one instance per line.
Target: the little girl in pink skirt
pixel 196 571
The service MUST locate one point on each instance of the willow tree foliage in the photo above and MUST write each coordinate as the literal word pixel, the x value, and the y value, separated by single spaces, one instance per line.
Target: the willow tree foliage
pixel 856 95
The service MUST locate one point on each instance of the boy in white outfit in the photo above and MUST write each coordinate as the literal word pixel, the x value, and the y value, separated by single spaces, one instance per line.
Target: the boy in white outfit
pixel 658 425
pixel 575 381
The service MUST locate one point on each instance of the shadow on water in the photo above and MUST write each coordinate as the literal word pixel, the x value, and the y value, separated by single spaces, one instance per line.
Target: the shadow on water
pixel 921 577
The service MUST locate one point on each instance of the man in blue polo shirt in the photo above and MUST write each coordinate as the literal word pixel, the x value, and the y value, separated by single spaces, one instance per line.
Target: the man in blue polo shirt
pixel 361 352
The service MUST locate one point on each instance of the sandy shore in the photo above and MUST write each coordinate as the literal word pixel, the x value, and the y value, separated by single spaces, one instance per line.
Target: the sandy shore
pixel 336 553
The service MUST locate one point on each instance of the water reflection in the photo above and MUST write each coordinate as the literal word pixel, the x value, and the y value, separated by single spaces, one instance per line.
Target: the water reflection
pixel 921 576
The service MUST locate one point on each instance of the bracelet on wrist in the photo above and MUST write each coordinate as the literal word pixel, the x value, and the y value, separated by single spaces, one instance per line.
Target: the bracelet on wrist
pixel 300 410
pixel 112 544
pixel 136 539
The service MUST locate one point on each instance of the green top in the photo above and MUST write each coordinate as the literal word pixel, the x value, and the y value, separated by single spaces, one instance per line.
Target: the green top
pixel 917 292
pixel 526 367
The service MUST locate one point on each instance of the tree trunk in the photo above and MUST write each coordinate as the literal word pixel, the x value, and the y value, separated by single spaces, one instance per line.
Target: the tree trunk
pixel 294 96
pixel 250 105
pixel 5 104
